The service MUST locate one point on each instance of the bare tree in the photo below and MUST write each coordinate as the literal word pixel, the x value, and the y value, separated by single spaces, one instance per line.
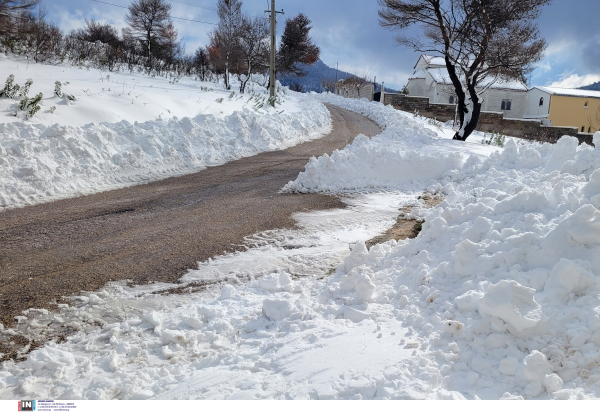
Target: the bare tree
pixel 9 6
pixel 16 20
pixel 481 41
pixel 328 85
pixel 170 48
pixel 148 19
pixel 95 31
pixel 254 47
pixel 225 38
pixel 296 47
pixel 132 49
pixel 200 63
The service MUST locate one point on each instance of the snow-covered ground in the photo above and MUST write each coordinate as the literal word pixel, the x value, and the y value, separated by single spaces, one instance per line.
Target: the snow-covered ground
pixel 125 129
pixel 496 298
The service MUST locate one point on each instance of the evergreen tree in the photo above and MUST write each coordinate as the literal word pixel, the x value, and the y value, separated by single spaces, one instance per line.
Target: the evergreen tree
pixel 296 47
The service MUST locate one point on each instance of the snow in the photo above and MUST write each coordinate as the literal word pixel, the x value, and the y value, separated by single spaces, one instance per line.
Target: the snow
pixel 108 97
pixel 495 299
pixel 569 92
pixel 107 140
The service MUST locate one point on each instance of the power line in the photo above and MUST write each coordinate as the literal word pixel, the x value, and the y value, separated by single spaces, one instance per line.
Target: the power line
pixel 110 4
pixel 194 5
pixel 172 17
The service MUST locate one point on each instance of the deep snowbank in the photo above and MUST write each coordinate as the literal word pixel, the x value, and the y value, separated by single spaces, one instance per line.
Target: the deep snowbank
pixel 39 163
pixel 503 278
pixel 502 282
pixel 409 150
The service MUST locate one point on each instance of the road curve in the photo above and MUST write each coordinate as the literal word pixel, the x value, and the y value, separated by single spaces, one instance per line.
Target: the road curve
pixel 155 231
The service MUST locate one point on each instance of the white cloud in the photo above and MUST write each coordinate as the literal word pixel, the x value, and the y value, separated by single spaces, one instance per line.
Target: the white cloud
pixel 571 80
pixel 544 66
pixel 560 48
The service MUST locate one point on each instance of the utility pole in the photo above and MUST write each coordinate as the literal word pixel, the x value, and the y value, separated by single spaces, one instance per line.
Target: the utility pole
pixel 273 44
pixel 374 86
pixel 335 88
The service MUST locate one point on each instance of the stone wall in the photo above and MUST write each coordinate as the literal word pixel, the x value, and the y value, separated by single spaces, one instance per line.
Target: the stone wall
pixel 488 121
pixel 406 103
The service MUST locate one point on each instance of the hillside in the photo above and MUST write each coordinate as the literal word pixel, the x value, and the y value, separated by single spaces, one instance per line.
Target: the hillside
pixel 315 74
pixel 593 86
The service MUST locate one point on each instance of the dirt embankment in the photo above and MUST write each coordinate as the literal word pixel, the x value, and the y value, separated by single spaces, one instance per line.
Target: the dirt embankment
pixel 405 227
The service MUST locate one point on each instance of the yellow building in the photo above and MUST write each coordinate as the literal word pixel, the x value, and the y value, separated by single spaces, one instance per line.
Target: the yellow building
pixel 565 107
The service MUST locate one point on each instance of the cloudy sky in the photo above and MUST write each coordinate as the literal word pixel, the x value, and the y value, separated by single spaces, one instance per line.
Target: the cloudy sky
pixel 348 33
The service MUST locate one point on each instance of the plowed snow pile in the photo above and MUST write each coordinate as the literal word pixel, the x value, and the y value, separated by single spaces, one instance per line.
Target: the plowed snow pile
pixel 124 129
pixel 497 297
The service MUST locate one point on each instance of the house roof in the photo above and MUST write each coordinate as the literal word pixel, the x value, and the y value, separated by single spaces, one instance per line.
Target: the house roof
pixel 441 76
pixel 431 60
pixel 559 91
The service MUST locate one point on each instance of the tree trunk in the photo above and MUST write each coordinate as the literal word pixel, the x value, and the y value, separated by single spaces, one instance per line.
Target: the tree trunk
pixel 243 82
pixel 469 114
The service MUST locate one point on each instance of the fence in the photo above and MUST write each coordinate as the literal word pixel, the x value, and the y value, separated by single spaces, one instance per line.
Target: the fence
pixel 531 129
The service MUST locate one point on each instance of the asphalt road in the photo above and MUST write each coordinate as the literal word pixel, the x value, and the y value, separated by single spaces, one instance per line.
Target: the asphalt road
pixel 155 231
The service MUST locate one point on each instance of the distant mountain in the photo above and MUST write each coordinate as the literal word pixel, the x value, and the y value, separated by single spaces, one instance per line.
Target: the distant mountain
pixel 594 86
pixel 316 74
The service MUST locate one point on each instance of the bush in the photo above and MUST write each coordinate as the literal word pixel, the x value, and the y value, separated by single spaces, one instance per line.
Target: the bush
pixel 494 139
pixel 33 106
pixel 10 89
pixel 58 89
pixel 25 89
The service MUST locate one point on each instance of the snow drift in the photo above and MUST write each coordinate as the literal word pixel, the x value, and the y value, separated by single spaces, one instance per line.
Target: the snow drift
pixel 409 150
pixel 39 163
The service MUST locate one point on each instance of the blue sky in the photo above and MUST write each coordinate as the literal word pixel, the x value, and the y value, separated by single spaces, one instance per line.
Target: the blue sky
pixel 348 33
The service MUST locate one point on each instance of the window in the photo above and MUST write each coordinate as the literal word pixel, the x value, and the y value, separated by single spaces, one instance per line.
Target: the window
pixel 541 101
pixel 590 129
pixel 582 129
pixel 506 104
pixel 585 105
pixel 451 100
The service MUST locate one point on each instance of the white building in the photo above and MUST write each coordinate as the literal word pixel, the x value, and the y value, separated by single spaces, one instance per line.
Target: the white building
pixel 349 88
pixel 431 79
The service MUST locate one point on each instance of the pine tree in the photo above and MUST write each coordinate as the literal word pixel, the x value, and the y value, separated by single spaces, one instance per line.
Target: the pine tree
pixel 296 47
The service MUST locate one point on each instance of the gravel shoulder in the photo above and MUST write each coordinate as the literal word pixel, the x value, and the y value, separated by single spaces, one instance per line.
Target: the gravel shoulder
pixel 156 231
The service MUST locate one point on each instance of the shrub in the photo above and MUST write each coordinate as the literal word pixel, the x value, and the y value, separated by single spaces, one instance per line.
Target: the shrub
pixel 25 89
pixel 10 89
pixel 58 89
